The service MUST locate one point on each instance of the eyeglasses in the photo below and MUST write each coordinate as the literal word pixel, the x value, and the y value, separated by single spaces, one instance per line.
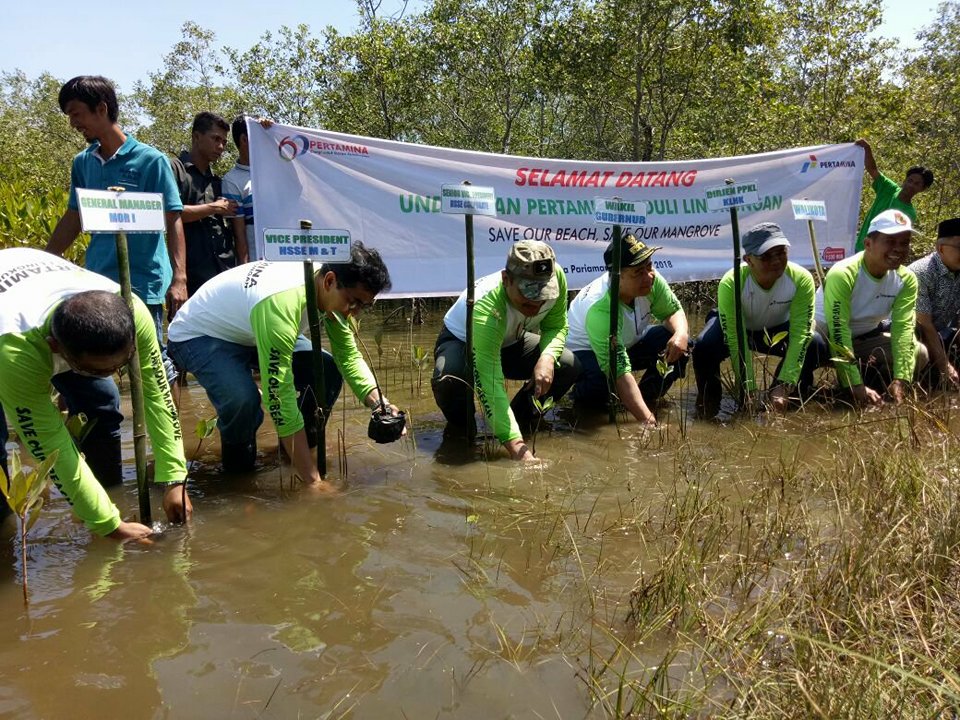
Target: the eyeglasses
pixel 355 303
pixel 97 372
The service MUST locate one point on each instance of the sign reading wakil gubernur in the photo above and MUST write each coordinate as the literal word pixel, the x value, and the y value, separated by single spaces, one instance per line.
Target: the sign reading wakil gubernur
pixel 615 211
pixel 111 211
pixel 733 195
pixel 329 246
pixel 468 200
pixel 388 195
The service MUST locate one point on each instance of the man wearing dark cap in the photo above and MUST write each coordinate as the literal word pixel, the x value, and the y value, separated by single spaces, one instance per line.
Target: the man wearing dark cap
pixel 889 195
pixel 938 303
pixel 866 310
pixel 777 315
pixel 651 324
pixel 519 330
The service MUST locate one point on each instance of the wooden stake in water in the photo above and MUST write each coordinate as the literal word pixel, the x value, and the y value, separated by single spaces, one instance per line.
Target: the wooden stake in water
pixel 816 252
pixel 614 321
pixel 136 383
pixel 316 356
pixel 738 303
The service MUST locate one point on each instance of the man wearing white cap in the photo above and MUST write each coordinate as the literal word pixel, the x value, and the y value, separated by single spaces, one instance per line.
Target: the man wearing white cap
pixel 519 330
pixel 866 310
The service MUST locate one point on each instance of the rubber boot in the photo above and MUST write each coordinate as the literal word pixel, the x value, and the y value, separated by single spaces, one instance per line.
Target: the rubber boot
pixel 239 457
pixel 103 457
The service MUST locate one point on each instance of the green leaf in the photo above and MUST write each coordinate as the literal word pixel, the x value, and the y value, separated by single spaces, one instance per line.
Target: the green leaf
pixel 205 428
pixel 473 518
pixel 779 337
pixel 14 464
pixel 34 515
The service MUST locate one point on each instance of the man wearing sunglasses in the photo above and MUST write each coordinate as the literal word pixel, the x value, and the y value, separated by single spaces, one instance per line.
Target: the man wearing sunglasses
pixel 519 329
pixel 254 316
pixel 938 304
pixel 64 326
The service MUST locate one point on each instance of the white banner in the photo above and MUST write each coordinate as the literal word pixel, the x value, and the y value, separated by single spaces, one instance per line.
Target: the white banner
pixel 387 195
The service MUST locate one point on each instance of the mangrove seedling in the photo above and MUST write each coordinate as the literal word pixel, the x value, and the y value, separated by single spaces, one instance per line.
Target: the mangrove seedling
pixel 24 493
pixel 542 407
pixel 421 359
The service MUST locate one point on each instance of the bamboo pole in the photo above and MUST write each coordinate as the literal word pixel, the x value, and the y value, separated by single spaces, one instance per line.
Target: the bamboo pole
pixel 136 383
pixel 738 304
pixel 614 322
pixel 471 300
pixel 316 357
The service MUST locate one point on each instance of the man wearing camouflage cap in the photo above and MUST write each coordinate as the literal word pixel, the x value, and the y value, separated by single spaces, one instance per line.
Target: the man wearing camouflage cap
pixel 651 326
pixel 519 331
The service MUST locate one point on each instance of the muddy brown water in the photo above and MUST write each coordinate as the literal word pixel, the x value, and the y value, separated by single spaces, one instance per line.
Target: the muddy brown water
pixel 442 582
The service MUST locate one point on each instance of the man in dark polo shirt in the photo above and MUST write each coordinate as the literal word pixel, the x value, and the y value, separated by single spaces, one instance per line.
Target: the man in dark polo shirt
pixel 209 240
pixel 938 303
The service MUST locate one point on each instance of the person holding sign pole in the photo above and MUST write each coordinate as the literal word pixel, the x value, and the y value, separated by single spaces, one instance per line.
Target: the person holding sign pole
pixel 519 329
pixel 778 304
pixel 63 326
pixel 866 310
pixel 889 195
pixel 652 326
pixel 254 316
pixel 938 304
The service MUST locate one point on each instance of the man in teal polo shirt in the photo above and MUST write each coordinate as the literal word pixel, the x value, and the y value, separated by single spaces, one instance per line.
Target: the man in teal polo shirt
pixel 157 265
pixel 889 195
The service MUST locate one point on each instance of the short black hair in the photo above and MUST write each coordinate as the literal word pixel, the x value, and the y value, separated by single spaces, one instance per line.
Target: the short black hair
pixel 365 268
pixel 238 129
pixel 205 121
pixel 94 322
pixel 91 90
pixel 926 174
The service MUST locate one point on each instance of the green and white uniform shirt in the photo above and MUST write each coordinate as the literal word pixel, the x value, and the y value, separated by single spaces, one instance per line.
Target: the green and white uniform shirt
pixel 32 284
pixel 264 305
pixel 791 299
pixel 496 325
pixel 852 302
pixel 589 317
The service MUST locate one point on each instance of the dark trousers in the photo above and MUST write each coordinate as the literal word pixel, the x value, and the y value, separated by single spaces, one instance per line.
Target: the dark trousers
pixel 453 392
pixel 711 350
pixel 592 390
pixel 951 345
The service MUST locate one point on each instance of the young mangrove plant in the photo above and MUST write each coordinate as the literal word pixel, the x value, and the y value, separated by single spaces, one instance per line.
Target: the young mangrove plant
pixel 542 407
pixel 24 493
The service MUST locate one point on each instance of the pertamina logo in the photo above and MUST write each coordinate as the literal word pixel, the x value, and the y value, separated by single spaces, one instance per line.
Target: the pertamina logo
pixel 294 146
pixel 832 254
pixel 814 164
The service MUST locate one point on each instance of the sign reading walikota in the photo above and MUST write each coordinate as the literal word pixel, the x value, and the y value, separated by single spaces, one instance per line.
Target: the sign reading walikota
pixel 809 210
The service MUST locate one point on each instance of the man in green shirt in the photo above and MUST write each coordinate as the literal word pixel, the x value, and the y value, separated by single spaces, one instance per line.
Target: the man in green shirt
pixel 866 309
pixel 777 301
pixel 66 327
pixel 889 195
pixel 519 329
pixel 651 326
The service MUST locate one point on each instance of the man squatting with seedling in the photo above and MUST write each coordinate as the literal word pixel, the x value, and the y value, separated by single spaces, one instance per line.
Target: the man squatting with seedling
pixel 866 310
pixel 254 315
pixel 64 326
pixel 651 326
pixel 777 300
pixel 519 330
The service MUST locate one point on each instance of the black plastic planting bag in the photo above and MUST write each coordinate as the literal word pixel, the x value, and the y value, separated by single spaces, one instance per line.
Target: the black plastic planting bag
pixel 384 427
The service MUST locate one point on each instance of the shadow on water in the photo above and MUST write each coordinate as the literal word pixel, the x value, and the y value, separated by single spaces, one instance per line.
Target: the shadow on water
pixel 444 581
